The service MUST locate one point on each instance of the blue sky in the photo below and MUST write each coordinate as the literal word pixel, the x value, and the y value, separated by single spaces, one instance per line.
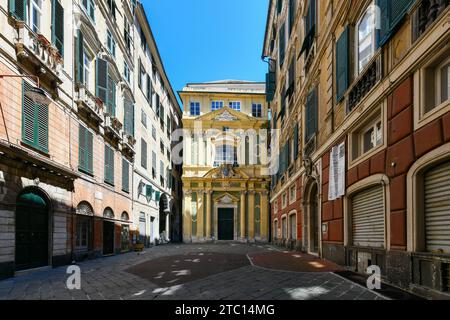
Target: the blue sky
pixel 208 40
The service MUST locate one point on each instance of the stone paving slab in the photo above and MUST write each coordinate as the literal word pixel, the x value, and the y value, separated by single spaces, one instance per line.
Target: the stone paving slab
pixel 107 278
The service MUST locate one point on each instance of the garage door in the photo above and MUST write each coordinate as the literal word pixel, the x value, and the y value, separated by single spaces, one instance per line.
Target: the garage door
pixel 368 218
pixel 437 208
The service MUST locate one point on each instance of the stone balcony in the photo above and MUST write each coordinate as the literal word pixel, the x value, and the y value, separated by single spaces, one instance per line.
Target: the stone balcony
pixel 38 54
pixel 128 144
pixel 113 127
pixel 89 105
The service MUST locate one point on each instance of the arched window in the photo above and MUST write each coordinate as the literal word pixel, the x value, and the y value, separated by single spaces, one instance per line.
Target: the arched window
pixel 108 213
pixel 125 216
pixel 84 208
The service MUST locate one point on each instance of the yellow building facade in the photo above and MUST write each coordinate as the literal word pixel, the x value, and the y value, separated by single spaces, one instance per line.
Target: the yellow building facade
pixel 225 173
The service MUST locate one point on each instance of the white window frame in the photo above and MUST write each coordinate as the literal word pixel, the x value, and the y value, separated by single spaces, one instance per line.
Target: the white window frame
pixel 234 104
pixel 284 200
pixel 373 34
pixel 197 106
pixel 258 111
pixel 35 5
pixel 356 135
pixel 111 50
pixel 424 114
pixel 143 118
pixel 87 68
pixel 214 104
pixel 292 199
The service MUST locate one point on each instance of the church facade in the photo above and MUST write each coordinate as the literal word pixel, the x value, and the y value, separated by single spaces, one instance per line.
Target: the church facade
pixel 225 162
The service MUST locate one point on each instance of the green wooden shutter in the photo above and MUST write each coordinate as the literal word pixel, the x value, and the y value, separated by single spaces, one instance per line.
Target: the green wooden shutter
pixel 82 165
pixel 42 127
pixel 102 80
pixel 90 151
pixel 111 105
pixel 17 9
pixel 342 64
pixel 143 154
pixel 28 118
pixel 128 118
pixel 79 58
pixel 34 121
pixel 125 175
pixel 58 26
pixel 296 141
pixel 311 115
pixel 109 165
pixel 282 43
pixel 392 13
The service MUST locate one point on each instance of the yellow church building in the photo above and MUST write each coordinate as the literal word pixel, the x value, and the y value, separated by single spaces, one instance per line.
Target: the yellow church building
pixel 225 162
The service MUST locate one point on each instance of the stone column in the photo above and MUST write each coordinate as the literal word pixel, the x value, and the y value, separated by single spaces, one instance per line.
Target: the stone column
pixel 187 219
pixel 200 196
pixel 187 152
pixel 251 216
pixel 264 215
pixel 243 206
pixel 208 214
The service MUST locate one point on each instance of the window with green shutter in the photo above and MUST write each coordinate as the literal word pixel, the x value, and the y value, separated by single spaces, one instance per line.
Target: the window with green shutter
pixel 392 14
pixel 109 165
pixel 125 176
pixel 296 137
pixel 342 64
pixel 102 80
pixel 282 44
pixel 34 121
pixel 79 57
pixel 311 115
pixel 111 105
pixel 143 154
pixel 17 8
pixel 128 121
pixel 58 26
pixel 85 150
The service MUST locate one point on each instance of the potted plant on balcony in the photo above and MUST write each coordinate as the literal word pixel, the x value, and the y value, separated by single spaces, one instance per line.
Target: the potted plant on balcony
pixel 43 40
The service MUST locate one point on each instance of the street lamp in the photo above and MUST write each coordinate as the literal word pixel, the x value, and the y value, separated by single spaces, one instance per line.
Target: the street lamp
pixel 36 94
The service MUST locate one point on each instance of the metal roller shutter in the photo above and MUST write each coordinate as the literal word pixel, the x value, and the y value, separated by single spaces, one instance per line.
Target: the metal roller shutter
pixel 368 222
pixel 437 208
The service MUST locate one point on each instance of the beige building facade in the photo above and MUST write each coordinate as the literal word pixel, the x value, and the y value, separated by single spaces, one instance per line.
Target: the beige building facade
pixel 225 179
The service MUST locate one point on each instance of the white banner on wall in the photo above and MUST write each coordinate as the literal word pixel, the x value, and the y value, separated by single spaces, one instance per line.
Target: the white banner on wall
pixel 336 185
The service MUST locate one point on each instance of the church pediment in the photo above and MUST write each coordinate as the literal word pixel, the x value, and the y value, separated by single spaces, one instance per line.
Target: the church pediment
pixel 226 198
pixel 225 114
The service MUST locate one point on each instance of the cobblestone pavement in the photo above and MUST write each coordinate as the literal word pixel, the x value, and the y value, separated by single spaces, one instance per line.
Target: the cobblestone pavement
pixel 107 278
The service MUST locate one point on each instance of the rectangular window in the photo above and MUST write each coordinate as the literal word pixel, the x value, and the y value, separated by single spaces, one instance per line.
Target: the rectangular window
pixel 127 34
pixel 293 226
pixel 89 8
pixel 87 61
pixel 235 105
pixel 142 75
pixel 154 132
pixel 111 43
pixel 257 110
pixel 282 44
pixel 161 147
pixel 143 154
pixel 126 73
pixel 368 137
pixel 154 173
pixel 225 154
pixel 216 105
pixel 112 7
pixel 83 232
pixel 109 165
pixel 128 118
pixel 85 150
pixel 58 26
pixel 284 228
pixel 195 108
pixel 35 15
pixel 366 38
pixel 284 200
pixel 34 121
pixel 143 118
pixel 292 194
pixel 125 176
pixel 311 115
pixel 111 104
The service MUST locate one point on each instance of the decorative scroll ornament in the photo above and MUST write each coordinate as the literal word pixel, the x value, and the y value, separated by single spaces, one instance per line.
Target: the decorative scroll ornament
pixel 225 116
